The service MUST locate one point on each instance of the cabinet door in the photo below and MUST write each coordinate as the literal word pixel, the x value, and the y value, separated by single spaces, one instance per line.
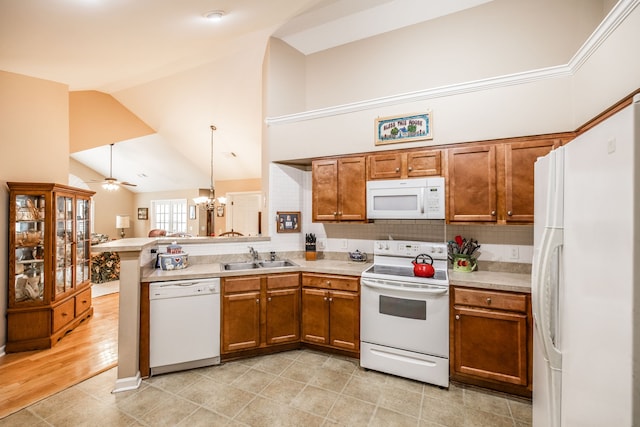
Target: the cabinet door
pixel 315 316
pixel 423 163
pixel 490 345
pixel 519 175
pixel 385 166
pixel 64 245
pixel 352 188
pixel 344 320
pixel 283 316
pixel 325 190
pixel 240 321
pixel 472 183
pixel 83 242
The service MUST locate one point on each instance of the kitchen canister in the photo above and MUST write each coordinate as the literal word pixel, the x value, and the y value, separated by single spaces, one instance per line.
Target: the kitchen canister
pixel 464 263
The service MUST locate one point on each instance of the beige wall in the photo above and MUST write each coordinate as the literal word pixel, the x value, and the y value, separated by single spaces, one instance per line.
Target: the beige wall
pixel 34 135
pixel 490 41
pixel 97 119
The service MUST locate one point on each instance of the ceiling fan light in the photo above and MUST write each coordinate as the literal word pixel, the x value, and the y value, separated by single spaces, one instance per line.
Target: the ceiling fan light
pixel 110 186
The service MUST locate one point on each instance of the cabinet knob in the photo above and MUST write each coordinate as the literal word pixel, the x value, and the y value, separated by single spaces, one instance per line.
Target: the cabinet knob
pixel 325 298
pixel 488 301
pixel 269 299
pixel 397 169
pixel 328 283
pixel 330 299
pixel 257 300
pixel 339 213
pixel 493 213
pixel 410 168
pixel 335 213
pixel 509 213
pixel 457 317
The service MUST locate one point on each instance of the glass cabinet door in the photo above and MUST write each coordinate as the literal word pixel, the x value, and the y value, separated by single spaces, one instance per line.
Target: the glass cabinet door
pixel 83 241
pixel 29 248
pixel 64 244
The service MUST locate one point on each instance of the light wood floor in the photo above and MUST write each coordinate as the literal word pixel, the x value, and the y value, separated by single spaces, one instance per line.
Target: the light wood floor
pixel 91 348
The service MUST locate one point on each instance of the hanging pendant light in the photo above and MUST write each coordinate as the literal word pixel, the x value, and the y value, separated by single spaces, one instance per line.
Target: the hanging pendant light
pixel 209 203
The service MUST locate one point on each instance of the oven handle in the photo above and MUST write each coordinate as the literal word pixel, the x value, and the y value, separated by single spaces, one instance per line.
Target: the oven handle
pixel 378 285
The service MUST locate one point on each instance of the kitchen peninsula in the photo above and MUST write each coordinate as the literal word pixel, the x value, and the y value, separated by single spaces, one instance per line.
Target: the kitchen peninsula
pixel 206 256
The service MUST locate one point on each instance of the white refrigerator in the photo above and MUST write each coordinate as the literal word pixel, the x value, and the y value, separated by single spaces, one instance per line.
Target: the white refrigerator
pixel 585 284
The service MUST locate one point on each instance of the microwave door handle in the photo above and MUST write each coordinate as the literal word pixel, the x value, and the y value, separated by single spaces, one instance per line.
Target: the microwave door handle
pixel 422 190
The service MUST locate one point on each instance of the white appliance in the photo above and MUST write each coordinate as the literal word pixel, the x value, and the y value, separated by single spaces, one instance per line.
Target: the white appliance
pixel 184 330
pixel 404 319
pixel 585 283
pixel 415 198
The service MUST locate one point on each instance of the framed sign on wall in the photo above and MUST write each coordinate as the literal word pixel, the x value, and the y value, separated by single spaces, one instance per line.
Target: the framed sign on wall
pixel 392 130
pixel 288 222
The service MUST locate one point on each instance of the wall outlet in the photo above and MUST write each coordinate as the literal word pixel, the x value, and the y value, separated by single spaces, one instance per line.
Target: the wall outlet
pixel 321 243
pixel 344 243
pixel 514 253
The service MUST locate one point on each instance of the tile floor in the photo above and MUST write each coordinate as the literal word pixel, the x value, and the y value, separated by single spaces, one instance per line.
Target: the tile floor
pixel 296 388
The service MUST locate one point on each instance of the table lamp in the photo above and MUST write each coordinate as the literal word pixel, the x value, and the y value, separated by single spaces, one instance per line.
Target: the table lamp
pixel 122 222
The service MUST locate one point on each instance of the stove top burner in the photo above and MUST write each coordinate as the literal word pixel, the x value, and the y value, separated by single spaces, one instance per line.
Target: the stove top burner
pixel 391 270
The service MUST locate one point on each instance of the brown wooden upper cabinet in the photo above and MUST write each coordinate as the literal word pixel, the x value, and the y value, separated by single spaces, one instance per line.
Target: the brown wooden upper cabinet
pixel 401 165
pixel 494 182
pixel 339 189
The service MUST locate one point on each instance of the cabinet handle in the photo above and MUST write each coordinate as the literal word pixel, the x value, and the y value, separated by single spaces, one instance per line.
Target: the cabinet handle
pixel 493 213
pixel 64 314
pixel 339 213
pixel 397 169
pixel 325 298
pixel 335 213
pixel 269 299
pixel 488 301
pixel 328 282
pixel 257 300
pixel 410 168
pixel 509 213
pixel 457 317
pixel 330 299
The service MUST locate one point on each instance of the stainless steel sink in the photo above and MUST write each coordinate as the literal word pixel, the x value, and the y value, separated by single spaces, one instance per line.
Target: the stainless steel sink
pixel 245 265
pixel 277 263
pixel 250 265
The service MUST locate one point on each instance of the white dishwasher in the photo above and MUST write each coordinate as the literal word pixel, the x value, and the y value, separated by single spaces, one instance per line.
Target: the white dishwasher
pixel 184 324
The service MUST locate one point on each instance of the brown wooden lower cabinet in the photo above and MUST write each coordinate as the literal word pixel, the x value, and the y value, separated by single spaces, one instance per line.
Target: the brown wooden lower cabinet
pixel 491 339
pixel 331 312
pixel 260 311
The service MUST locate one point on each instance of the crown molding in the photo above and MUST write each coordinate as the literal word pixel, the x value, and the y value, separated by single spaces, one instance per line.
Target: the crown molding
pixel 616 16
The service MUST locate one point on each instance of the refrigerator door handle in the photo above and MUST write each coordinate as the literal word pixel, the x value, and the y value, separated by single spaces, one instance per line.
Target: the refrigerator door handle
pixel 552 239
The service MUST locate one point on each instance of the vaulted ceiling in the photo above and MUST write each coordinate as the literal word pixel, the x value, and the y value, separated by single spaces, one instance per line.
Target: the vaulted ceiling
pixel 180 72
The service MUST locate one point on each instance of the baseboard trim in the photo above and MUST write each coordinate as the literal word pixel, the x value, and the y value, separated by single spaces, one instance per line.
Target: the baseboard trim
pixel 127 384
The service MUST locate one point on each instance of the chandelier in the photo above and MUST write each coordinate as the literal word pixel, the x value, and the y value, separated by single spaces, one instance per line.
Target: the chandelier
pixel 209 203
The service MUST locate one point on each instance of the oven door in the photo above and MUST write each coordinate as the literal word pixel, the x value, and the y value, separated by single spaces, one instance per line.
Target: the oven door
pixel 405 316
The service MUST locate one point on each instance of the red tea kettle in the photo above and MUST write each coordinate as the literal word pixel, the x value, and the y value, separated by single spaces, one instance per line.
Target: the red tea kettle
pixel 421 268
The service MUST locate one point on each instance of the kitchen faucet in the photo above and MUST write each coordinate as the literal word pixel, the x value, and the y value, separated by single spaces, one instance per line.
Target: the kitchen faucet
pixel 254 253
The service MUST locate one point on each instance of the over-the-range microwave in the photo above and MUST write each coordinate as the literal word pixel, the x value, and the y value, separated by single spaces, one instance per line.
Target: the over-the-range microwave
pixel 415 198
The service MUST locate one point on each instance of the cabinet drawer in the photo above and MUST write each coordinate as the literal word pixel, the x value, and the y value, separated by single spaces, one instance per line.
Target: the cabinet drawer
pixel 241 284
pixel 329 281
pixel 83 301
pixel 490 299
pixel 63 314
pixel 279 281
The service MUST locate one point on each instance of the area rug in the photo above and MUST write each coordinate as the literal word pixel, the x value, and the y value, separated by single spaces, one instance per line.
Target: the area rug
pixel 106 288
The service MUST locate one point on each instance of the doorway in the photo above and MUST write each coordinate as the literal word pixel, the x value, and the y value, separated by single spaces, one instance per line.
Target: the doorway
pixel 243 212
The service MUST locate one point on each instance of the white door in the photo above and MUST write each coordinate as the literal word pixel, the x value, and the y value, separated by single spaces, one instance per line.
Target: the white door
pixel 243 212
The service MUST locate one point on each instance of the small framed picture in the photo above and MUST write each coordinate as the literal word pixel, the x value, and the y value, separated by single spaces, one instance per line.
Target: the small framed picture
pixel 220 210
pixel 288 222
pixel 143 213
pixel 192 211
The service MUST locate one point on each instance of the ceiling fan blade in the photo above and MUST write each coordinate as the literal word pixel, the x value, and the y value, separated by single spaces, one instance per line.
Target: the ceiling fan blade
pixel 129 184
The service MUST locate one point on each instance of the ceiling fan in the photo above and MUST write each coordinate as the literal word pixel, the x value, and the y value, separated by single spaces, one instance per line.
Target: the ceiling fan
pixel 110 183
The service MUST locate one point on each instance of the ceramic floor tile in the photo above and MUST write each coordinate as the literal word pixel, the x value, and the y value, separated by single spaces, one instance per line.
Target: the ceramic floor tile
pixel 297 388
pixel 349 411
pixel 263 412
pixel 315 400
pixel 282 390
pixel 385 417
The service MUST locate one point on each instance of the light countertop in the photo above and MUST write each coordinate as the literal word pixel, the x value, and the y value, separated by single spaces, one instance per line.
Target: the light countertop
pixel 514 282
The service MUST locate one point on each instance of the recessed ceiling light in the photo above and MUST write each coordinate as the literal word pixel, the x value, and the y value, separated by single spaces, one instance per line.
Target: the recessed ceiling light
pixel 214 15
